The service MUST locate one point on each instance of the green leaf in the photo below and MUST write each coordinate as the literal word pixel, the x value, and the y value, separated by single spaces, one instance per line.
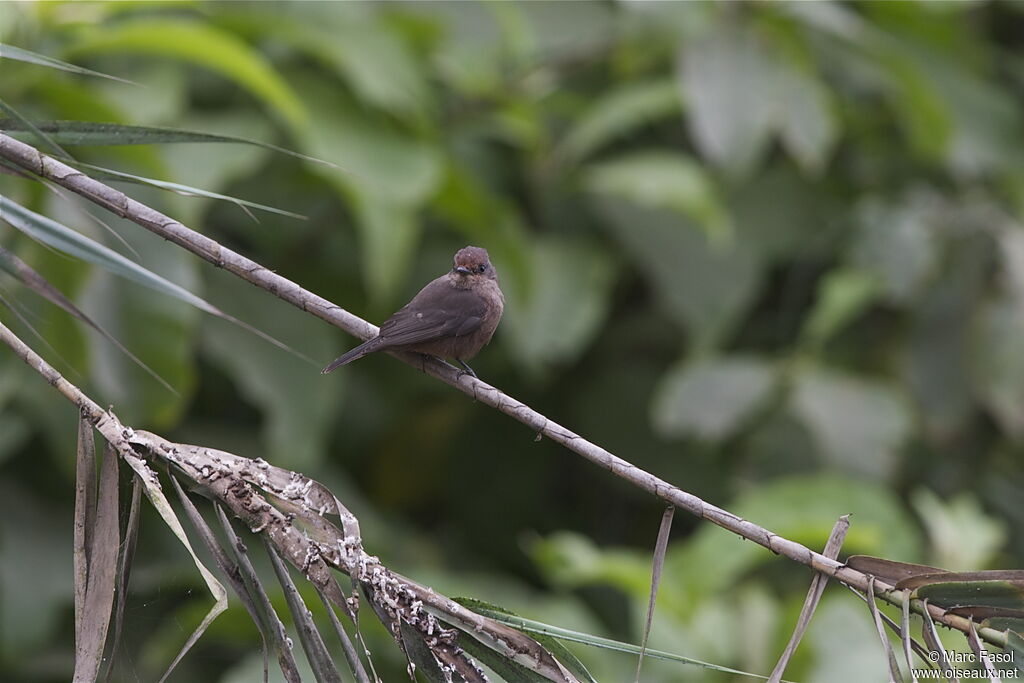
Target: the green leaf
pixel 843 294
pixel 165 98
pixel 387 162
pixel 63 238
pixel 419 653
pixel 371 55
pixel 710 397
pixel 1011 248
pixel 470 59
pixel 37 283
pixel 203 45
pixel 704 288
pixel 985 121
pixel 354 41
pixel 741 91
pixel 962 535
pixel 535 627
pixel 727 81
pixel 858 423
pixel 782 215
pixel 569 559
pixel 941 342
pixel 553 315
pixel 924 115
pixel 93 133
pixel 388 235
pixel 619 113
pixel 71 242
pixel 559 651
pixel 997 364
pixel 397 173
pixel 549 32
pixel 23 55
pixel 899 244
pixel 188 190
pixel 1015 647
pixel 970 589
pixel 835 20
pixel 662 180
pixel 808 125
pixel 41 139
pixel 507 669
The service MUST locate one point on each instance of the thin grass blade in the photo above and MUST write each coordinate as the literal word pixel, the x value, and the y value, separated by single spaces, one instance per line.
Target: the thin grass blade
pixel 276 630
pixel 919 649
pixel 312 642
pixel 532 626
pixel 102 552
pixel 186 190
pixel 228 568
pixel 355 664
pixel 20 54
pixel 44 139
pixel 421 660
pixel 85 515
pixel 657 564
pixel 894 668
pixel 935 646
pixel 905 637
pixel 29 277
pixel 817 587
pixel 72 199
pixel 507 669
pixel 94 133
pixel 12 307
pixel 981 654
pixel 73 243
pixel 124 568
pixel 163 507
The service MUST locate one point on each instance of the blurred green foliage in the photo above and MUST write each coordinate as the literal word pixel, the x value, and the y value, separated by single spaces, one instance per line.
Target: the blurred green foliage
pixel 771 252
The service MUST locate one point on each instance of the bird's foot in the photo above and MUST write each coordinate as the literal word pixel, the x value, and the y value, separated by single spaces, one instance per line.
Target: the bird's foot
pixel 468 370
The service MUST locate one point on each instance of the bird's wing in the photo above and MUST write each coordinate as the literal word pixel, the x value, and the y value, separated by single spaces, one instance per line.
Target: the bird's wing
pixel 437 312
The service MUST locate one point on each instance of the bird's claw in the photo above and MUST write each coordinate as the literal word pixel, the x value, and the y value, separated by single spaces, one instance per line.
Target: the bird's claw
pixel 468 370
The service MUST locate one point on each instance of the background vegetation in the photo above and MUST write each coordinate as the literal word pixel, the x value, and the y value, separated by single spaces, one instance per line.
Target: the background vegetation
pixel 771 253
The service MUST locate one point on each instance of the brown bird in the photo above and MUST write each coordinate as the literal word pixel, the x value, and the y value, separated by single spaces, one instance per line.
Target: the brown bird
pixel 452 317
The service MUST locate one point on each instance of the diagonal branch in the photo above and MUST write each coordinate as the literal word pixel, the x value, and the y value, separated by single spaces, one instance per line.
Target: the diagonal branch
pixel 31 159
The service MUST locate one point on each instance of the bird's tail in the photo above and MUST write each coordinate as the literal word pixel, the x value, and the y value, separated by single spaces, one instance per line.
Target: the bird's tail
pixel 352 354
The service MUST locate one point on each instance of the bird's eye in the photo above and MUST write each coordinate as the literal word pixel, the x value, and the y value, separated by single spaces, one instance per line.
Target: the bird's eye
pixel 481 268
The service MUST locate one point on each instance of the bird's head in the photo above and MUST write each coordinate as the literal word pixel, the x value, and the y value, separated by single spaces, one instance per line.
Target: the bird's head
pixel 473 262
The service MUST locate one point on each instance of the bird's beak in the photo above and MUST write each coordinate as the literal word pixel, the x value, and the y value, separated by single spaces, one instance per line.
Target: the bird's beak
pixel 462 270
